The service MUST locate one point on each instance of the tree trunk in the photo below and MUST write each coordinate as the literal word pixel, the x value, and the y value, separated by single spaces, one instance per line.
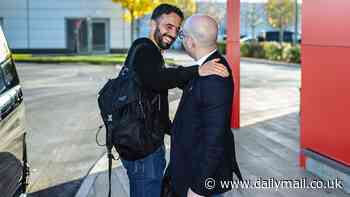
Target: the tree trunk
pixel 281 28
pixel 253 31
pixel 281 35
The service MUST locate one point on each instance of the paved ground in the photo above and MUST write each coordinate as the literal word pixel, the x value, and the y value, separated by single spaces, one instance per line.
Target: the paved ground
pixel 268 90
pixel 62 117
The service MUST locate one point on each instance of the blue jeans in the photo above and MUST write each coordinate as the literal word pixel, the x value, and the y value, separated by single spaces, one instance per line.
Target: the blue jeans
pixel 145 175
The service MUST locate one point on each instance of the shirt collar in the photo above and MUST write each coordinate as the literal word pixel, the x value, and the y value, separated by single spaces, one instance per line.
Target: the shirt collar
pixel 202 59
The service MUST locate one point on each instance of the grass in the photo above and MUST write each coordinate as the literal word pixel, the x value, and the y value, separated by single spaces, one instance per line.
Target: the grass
pixel 90 59
pixel 111 59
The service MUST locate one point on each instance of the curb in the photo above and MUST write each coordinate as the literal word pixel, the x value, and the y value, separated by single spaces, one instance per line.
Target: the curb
pixel 264 61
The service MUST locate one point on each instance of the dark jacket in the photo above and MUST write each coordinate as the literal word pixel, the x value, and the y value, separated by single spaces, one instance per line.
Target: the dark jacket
pixel 202 143
pixel 155 78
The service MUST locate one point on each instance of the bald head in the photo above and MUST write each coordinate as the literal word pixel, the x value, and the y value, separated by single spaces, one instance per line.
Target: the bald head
pixel 203 29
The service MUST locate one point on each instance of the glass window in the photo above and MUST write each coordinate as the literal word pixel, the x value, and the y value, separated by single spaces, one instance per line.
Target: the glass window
pixel 10 74
pixel 2 83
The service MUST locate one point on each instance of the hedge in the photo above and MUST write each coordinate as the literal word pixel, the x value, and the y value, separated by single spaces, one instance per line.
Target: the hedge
pixel 268 50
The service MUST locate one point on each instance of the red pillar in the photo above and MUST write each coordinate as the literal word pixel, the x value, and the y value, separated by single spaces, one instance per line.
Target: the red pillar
pixel 325 92
pixel 233 54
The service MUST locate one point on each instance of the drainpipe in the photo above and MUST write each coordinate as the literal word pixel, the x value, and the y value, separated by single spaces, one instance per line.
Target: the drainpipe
pixel 28 28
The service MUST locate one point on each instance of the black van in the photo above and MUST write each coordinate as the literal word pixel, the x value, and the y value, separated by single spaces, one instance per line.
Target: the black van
pixel 14 169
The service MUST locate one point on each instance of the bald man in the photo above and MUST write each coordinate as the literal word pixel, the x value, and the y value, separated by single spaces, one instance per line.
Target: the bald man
pixel 202 144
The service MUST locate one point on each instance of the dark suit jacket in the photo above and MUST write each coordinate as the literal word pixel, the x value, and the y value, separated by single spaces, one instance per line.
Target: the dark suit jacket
pixel 202 144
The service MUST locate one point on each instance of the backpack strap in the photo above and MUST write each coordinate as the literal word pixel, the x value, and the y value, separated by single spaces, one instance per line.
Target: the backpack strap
pixel 128 67
pixel 110 156
pixel 129 62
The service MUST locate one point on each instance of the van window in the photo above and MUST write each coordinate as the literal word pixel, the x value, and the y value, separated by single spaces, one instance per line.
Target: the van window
pixel 10 74
pixel 2 83
pixel 4 50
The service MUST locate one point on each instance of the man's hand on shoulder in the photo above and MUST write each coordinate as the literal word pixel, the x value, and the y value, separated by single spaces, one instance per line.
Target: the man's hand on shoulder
pixel 213 67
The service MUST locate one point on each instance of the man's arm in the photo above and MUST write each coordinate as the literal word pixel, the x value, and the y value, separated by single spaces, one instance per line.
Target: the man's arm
pixel 157 78
pixel 215 103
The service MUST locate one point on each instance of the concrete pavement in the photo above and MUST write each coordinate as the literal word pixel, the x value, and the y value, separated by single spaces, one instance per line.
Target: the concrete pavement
pixel 62 118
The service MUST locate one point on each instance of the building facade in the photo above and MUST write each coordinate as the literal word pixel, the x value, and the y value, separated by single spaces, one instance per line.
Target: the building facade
pixel 65 26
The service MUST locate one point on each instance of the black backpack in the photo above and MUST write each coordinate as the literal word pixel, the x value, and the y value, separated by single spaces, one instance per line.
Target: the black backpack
pixel 130 117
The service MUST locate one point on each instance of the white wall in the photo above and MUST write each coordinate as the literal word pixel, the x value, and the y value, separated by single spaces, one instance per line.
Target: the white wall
pixel 47 21
pixel 14 14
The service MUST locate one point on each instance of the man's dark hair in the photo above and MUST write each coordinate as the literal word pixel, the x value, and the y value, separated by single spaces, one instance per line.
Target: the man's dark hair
pixel 166 9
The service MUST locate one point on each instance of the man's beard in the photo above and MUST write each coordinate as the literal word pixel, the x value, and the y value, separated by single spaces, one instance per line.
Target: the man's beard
pixel 159 39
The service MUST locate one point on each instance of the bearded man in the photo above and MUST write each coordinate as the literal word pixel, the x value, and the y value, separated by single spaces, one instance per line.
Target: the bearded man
pixel 145 174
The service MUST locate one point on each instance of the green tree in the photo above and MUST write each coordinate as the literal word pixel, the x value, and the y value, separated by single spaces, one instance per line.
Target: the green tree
pixel 280 14
pixel 136 9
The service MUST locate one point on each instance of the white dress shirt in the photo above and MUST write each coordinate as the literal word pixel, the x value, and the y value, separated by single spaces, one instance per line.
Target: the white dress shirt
pixel 201 60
